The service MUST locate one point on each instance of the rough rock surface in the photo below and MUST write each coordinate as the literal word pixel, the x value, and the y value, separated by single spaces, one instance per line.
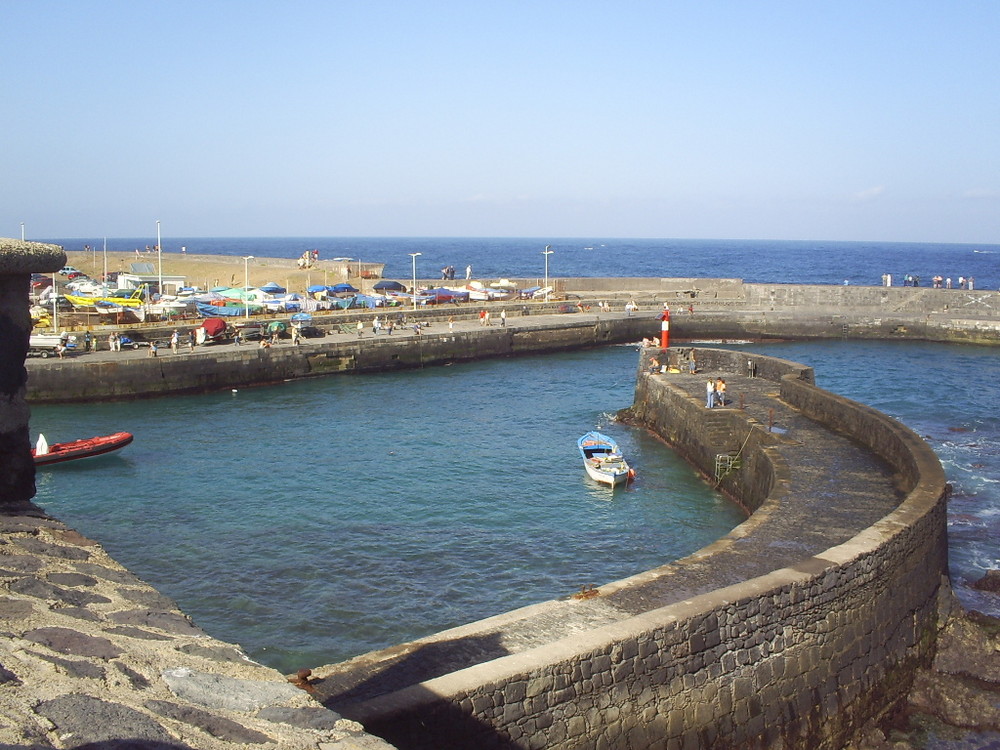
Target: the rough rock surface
pixel 92 656
pixel 961 690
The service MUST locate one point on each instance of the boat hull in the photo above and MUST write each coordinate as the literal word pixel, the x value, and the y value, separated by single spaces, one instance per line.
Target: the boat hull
pixel 610 478
pixel 80 449
pixel 602 460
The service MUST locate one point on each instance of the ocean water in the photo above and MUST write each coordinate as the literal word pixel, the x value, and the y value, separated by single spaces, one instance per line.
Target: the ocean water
pixel 763 261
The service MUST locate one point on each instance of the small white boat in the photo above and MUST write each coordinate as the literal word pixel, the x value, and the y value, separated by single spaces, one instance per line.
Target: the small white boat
pixel 603 461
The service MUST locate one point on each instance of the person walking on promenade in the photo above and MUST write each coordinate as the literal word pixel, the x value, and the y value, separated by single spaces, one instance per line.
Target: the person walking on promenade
pixel 87 341
pixel 710 394
pixel 451 323
pixel 191 340
pixel 503 318
pixel 482 317
pixel 111 341
pixel 152 348
pixel 720 391
pixel 237 337
pixel 296 336
pixel 376 325
pixel 361 328
pixel 175 340
pixel 468 272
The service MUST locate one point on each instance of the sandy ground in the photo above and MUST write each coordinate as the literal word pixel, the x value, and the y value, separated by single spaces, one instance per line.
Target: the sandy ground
pixel 208 271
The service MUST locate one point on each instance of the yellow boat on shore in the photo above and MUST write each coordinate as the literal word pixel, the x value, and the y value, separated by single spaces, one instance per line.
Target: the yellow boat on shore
pixel 127 298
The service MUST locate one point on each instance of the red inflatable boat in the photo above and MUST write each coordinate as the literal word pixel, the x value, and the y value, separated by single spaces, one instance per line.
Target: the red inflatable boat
pixel 45 454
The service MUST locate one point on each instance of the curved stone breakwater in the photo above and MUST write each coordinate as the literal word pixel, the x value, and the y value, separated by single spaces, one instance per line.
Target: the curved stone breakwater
pixel 792 631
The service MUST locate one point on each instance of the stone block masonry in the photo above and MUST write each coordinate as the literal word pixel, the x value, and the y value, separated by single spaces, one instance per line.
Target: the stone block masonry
pixel 17 262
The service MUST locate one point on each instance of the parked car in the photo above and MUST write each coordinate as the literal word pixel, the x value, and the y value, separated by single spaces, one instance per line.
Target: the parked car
pixel 40 281
pixel 67 270
pixel 76 275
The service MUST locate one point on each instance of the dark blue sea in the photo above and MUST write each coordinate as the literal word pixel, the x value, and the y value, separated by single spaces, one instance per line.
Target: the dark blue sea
pixel 763 261
pixel 313 521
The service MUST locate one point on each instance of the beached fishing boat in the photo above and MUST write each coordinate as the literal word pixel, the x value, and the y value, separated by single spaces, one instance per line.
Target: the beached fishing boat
pixel 602 459
pixel 45 454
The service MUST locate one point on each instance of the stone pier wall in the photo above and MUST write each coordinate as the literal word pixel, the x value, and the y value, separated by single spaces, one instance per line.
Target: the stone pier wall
pixel 220 366
pixel 18 260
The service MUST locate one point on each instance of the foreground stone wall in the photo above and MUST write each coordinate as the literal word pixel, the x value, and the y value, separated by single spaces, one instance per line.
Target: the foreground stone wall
pixel 799 657
pixel 18 260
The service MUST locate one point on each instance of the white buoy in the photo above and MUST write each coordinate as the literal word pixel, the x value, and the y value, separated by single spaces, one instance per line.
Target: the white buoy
pixel 235 391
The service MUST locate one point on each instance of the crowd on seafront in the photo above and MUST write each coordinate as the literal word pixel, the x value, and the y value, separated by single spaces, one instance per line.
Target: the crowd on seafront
pixel 937 281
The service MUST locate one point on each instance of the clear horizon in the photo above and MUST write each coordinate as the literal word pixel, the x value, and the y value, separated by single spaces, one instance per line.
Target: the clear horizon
pixel 165 240
pixel 849 122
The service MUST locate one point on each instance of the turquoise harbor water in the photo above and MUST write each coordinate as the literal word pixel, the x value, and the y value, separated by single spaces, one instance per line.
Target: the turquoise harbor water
pixel 316 520
pixel 313 521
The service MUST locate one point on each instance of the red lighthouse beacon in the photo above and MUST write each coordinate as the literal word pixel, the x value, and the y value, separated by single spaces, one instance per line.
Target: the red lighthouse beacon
pixel 665 327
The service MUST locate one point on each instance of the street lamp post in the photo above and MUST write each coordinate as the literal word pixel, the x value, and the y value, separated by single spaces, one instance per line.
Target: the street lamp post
pixel 246 284
pixel 22 231
pixel 159 262
pixel 413 257
pixel 547 252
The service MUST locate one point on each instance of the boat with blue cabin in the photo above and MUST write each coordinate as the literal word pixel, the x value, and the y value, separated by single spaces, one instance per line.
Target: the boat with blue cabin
pixel 602 459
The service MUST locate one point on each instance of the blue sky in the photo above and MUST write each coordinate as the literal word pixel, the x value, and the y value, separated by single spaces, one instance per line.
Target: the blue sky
pixel 771 120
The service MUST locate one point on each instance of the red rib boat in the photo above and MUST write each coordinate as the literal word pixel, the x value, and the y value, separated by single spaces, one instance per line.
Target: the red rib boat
pixel 45 454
